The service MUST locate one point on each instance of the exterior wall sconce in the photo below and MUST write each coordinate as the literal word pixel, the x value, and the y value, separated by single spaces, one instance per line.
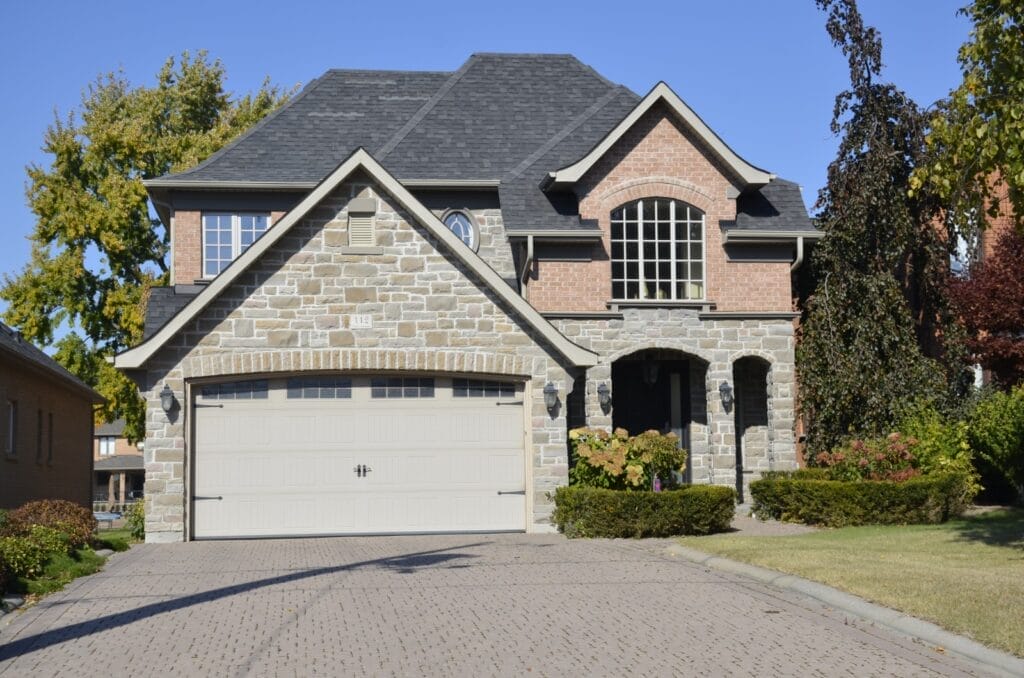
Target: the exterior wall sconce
pixel 550 396
pixel 167 399
pixel 604 396
pixel 725 391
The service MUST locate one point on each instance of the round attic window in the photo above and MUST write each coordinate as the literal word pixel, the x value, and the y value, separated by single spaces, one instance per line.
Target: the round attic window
pixel 461 223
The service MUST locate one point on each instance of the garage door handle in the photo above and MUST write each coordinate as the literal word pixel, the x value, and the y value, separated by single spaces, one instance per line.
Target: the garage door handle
pixel 207 498
pixel 511 491
pixel 514 402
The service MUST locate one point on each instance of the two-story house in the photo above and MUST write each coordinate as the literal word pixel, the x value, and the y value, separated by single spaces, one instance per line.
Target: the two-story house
pixel 392 298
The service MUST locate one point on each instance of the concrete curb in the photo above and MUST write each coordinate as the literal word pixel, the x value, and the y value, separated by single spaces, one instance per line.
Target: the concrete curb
pixel 996 660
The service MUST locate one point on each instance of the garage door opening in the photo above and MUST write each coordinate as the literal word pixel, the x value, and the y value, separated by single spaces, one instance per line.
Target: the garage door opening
pixel 338 454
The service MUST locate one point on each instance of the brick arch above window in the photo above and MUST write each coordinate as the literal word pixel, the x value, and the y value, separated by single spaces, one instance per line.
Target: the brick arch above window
pixel 656 186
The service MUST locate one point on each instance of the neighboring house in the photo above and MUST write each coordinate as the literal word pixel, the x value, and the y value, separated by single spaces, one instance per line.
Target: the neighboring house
pixel 399 342
pixel 118 470
pixel 46 425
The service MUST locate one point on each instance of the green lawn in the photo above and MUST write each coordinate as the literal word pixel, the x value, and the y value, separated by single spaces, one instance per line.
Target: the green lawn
pixel 966 575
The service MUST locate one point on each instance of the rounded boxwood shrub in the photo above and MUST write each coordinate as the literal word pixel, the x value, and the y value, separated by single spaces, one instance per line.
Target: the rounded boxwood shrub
pixel 803 497
pixel 76 521
pixel 598 512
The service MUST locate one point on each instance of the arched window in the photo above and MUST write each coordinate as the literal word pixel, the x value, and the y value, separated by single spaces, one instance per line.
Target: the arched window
pixel 657 250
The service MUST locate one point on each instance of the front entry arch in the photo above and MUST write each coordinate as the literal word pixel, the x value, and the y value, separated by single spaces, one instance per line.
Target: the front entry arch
pixel 663 390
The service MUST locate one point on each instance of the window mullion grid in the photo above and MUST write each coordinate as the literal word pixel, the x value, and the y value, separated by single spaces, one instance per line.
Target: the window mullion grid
pixel 641 286
pixel 672 277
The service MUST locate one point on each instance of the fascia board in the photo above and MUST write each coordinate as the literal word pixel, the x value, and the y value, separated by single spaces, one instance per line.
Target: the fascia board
pixel 753 237
pixel 749 174
pixel 136 357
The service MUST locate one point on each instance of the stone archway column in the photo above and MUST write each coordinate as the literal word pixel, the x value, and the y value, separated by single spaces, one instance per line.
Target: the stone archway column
pixel 721 427
pixel 596 416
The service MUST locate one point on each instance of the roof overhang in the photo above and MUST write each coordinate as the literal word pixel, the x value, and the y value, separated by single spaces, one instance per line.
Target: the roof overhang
pixel 735 237
pixel 136 358
pixel 541 235
pixel 662 93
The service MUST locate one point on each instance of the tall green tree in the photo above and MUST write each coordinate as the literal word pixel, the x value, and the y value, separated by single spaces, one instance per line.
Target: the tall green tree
pixel 877 321
pixel 97 247
pixel 977 136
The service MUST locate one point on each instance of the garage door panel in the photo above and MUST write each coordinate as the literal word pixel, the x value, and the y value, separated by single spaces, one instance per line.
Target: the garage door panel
pixel 285 466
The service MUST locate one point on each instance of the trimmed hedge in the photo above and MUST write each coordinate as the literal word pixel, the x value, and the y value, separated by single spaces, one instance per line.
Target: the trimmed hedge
pixel 597 512
pixel 806 498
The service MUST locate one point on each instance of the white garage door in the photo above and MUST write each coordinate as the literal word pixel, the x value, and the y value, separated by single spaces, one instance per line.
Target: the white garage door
pixel 358 455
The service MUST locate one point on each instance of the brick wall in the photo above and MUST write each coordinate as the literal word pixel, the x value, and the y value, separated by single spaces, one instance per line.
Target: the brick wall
pixel 658 157
pixel 30 473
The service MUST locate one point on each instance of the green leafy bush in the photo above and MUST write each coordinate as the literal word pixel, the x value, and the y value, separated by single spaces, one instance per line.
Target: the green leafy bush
pixel 598 512
pixel 49 539
pixel 135 520
pixel 925 499
pixel 996 432
pixel 618 461
pixel 942 446
pixel 20 557
pixel 74 520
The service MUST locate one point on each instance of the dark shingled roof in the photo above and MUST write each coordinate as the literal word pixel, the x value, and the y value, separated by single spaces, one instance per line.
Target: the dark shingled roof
pixel 114 428
pixel 778 206
pixel 13 343
pixel 164 304
pixel 501 117
pixel 121 462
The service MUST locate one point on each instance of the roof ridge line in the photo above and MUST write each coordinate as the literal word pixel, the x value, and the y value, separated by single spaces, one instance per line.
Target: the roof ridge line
pixel 411 123
pixel 313 84
pixel 564 132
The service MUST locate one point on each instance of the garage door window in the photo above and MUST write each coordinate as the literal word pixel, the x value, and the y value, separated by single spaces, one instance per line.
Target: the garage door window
pixel 475 388
pixel 320 387
pixel 402 387
pixel 237 390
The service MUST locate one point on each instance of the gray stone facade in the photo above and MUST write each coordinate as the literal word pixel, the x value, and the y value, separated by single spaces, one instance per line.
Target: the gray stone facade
pixel 714 346
pixel 290 312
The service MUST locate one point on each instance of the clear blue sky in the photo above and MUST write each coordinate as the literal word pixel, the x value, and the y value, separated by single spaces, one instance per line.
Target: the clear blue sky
pixel 762 74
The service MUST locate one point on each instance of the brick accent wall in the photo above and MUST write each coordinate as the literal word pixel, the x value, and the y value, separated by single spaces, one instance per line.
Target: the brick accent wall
pixel 290 313
pixel 187 245
pixel 658 157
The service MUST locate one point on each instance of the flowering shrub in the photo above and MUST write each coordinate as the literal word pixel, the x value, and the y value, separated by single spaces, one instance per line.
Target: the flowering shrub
pixel 618 461
pixel 888 458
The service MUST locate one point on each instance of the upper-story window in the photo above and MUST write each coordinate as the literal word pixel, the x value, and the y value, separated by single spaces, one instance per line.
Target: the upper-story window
pixel 107 446
pixel 227 235
pixel 657 250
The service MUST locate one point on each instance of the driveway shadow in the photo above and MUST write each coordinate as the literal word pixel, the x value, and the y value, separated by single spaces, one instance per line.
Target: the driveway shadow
pixel 403 564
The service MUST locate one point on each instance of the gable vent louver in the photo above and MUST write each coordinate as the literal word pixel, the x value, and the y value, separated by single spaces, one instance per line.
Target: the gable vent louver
pixel 360 230
pixel 360 222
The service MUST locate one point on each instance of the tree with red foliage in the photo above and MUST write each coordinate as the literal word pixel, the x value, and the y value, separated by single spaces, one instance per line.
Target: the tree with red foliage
pixel 991 302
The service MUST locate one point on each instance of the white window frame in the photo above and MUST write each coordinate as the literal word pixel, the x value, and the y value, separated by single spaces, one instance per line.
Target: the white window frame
pixel 236 236
pixel 108 446
pixel 676 222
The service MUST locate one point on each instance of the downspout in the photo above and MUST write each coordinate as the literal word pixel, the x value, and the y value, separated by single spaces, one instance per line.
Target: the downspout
pixel 170 235
pixel 525 273
pixel 799 254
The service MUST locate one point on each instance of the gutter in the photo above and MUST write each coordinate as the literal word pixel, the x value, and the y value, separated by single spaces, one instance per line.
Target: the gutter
pixel 524 274
pixel 799 254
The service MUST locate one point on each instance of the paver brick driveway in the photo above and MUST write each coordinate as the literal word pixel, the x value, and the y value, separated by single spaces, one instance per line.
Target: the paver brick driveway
pixel 438 605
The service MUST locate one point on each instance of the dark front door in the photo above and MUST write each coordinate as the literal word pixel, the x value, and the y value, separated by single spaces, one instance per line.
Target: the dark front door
pixel 652 395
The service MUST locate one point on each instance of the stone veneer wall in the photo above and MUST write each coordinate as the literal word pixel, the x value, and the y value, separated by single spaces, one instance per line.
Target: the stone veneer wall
pixel 718 344
pixel 289 313
pixel 494 246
